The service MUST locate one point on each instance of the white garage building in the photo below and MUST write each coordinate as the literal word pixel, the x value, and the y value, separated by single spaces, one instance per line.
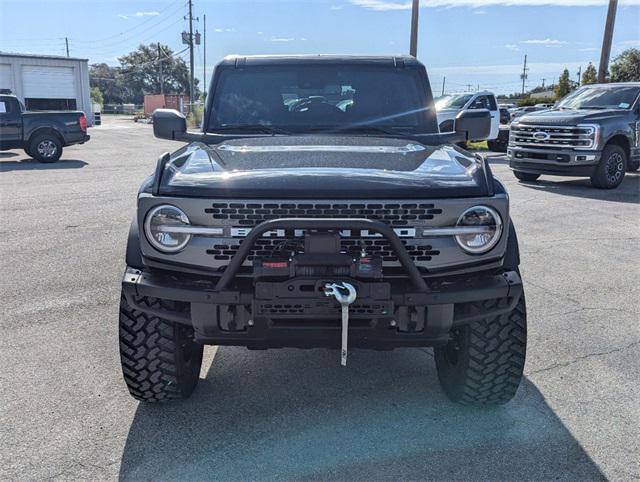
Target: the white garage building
pixel 47 82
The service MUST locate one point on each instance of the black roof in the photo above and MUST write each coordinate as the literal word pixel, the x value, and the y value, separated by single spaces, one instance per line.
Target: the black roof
pixel 319 59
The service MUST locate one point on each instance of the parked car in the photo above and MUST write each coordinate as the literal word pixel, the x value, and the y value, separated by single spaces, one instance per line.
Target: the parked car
pixel 42 135
pixel 314 226
pixel 592 132
pixel 499 144
pixel 449 106
pixel 526 110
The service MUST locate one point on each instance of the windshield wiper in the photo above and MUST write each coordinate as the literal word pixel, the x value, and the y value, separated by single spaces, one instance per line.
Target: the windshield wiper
pixel 366 129
pixel 595 107
pixel 253 128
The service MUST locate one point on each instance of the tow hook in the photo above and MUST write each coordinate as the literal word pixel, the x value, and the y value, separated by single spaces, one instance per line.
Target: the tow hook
pixel 345 294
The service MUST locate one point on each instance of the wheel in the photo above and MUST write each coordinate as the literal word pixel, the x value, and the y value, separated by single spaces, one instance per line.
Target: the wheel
pixel 45 148
pixel 483 362
pixel 633 166
pixel 160 361
pixel 526 176
pixel 609 172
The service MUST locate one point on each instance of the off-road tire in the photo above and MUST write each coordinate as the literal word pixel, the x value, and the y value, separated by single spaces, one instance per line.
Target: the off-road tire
pixel 160 361
pixel 609 172
pixel 27 152
pixel 45 148
pixel 483 363
pixel 526 176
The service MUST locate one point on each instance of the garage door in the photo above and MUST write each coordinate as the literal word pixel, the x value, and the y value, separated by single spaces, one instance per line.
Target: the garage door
pixel 6 79
pixel 45 82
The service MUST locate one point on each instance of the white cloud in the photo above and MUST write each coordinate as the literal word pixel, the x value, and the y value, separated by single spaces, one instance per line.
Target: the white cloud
pixel 513 47
pixel 303 39
pixel 282 39
pixel 386 5
pixel 220 30
pixel 260 33
pixel 336 7
pixel 629 43
pixel 139 14
pixel 589 49
pixel 547 42
pixel 479 12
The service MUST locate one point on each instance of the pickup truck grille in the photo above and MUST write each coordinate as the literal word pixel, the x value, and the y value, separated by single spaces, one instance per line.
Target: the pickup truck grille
pixel 242 216
pixel 552 137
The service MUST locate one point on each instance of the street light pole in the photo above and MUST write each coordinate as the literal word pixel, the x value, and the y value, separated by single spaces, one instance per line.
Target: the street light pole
pixel 606 41
pixel 413 45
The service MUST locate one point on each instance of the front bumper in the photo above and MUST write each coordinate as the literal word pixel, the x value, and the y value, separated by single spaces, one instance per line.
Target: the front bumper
pixel 295 313
pixel 561 162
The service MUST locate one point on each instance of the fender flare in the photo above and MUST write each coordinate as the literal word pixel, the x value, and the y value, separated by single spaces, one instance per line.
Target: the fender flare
pixel 134 255
pixel 512 254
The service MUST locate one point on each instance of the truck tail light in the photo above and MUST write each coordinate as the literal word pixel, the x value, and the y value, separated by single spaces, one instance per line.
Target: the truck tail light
pixel 83 122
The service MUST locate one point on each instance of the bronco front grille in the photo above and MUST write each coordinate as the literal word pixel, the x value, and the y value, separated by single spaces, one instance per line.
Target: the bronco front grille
pixel 250 214
pixel 574 137
pixel 241 216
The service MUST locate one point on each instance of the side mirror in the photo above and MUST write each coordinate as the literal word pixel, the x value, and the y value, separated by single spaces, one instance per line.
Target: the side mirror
pixel 474 124
pixel 169 124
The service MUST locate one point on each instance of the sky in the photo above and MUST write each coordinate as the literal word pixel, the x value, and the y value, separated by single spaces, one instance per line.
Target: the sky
pixel 473 43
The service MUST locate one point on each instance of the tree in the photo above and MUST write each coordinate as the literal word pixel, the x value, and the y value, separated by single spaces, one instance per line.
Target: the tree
pixel 590 75
pixel 96 96
pixel 564 85
pixel 110 83
pixel 626 66
pixel 141 72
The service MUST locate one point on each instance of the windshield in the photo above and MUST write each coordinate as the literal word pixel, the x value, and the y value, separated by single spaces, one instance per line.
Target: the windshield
pixel 601 98
pixel 453 101
pixel 312 98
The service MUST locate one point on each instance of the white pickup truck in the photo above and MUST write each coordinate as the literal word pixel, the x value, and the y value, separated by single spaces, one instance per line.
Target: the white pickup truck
pixel 449 106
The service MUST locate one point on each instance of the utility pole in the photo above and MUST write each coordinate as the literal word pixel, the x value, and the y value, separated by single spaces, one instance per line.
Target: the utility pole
pixel 160 69
pixel 478 88
pixel 543 79
pixel 523 76
pixel 579 75
pixel 413 44
pixel 66 44
pixel 606 41
pixel 468 87
pixel 191 90
pixel 443 81
pixel 204 46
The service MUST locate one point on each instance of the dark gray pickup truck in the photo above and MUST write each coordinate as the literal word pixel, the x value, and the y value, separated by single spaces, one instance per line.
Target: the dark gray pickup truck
pixel 592 132
pixel 42 135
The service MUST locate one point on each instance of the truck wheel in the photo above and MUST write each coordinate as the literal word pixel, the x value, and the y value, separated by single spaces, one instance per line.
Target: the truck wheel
pixel 160 361
pixel 45 148
pixel 526 176
pixel 609 172
pixel 483 362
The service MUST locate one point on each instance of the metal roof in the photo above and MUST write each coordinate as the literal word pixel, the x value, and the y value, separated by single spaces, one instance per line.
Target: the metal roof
pixel 40 56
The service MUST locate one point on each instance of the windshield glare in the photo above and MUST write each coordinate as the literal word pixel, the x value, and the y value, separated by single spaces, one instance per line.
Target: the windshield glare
pixel 601 98
pixel 453 101
pixel 312 98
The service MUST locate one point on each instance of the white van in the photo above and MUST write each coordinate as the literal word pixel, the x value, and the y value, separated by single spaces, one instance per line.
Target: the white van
pixel 449 106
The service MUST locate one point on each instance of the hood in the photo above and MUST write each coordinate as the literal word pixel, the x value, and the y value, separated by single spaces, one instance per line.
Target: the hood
pixel 323 167
pixel 569 117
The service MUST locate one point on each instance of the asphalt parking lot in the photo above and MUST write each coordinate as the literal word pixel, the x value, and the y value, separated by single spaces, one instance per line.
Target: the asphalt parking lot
pixel 295 414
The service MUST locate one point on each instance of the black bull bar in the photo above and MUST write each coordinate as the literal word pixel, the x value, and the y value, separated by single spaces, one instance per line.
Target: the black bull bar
pixel 443 306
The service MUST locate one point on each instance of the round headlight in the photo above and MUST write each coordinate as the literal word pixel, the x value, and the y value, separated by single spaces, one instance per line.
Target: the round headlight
pixel 485 228
pixel 162 228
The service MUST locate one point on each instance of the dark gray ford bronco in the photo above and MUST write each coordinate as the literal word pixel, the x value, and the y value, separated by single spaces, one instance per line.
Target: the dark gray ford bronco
pixel 593 132
pixel 319 206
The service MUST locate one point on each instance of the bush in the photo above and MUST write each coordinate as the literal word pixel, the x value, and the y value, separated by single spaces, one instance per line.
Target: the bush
pixel 538 100
pixel 194 118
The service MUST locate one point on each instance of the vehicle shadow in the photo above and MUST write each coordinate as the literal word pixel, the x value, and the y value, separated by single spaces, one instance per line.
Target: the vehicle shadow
pixel 7 154
pixel 295 414
pixel 28 164
pixel 627 192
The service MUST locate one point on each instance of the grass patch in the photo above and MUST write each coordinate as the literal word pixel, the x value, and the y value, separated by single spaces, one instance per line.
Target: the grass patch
pixel 478 146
